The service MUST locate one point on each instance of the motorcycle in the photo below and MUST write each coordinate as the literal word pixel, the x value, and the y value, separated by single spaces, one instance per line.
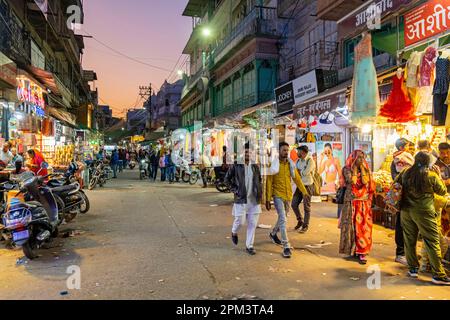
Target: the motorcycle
pixel 219 180
pixel 31 224
pixel 144 167
pixel 99 175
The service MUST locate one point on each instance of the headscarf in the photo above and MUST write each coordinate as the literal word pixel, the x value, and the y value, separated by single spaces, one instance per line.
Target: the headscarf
pixel 349 164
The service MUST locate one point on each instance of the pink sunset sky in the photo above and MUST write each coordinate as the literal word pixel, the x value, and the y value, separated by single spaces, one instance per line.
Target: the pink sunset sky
pixel 151 31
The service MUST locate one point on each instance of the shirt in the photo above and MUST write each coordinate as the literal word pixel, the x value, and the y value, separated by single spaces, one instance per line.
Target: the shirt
pixel 6 157
pixel 251 198
pixel 306 168
pixel 279 185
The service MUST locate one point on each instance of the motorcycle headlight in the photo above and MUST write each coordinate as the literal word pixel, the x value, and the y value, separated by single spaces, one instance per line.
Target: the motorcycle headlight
pixel 143 162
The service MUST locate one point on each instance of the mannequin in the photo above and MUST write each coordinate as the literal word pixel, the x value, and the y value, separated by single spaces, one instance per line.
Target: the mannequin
pixel 400 72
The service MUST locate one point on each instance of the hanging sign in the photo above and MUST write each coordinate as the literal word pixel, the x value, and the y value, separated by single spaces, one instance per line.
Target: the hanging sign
pixel 426 21
pixel 31 97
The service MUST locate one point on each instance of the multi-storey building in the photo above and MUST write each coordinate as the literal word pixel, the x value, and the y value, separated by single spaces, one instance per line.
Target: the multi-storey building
pixel 165 110
pixel 40 47
pixel 234 56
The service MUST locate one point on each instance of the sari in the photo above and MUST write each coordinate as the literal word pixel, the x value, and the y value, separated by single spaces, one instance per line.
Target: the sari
pixel 356 220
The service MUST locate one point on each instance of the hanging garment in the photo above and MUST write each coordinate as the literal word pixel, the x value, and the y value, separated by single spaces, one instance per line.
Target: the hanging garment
pixel 365 98
pixel 424 98
pixel 412 69
pixel 427 67
pixel 398 107
pixel 440 92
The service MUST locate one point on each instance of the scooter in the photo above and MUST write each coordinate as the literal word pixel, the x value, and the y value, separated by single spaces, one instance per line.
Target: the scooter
pixel 144 171
pixel 32 223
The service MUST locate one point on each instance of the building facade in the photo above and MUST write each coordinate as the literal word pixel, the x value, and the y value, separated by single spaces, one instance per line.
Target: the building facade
pixel 234 57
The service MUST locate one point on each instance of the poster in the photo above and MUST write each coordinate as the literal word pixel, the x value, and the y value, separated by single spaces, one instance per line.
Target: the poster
pixel 330 160
pixel 366 147
pixel 311 148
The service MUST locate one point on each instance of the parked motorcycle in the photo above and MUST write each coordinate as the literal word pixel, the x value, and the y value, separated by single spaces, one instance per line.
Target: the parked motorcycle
pixel 32 223
pixel 219 180
pixel 99 175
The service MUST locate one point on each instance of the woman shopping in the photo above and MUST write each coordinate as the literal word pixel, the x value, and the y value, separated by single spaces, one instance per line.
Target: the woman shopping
pixel 356 218
pixel 418 215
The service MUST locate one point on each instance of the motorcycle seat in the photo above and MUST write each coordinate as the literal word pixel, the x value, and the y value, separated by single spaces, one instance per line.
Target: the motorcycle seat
pixel 64 189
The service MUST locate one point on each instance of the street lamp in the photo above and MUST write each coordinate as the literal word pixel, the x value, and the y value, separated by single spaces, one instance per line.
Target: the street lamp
pixel 123 129
pixel 180 72
pixel 206 32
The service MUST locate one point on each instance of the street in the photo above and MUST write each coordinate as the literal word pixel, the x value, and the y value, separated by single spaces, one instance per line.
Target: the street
pixel 144 240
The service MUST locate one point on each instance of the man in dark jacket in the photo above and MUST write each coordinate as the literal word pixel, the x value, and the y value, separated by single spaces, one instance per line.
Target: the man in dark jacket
pixel 154 161
pixel 245 182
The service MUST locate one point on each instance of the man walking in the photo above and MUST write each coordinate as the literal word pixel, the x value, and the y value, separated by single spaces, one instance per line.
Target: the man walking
pixel 154 162
pixel 305 166
pixel 114 162
pixel 279 187
pixel 246 184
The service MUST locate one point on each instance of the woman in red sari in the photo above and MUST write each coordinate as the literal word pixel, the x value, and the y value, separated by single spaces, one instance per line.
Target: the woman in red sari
pixel 356 220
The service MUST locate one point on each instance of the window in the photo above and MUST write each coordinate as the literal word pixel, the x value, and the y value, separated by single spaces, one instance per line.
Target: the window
pixel 227 95
pixel 316 34
pixel 237 88
pixel 249 82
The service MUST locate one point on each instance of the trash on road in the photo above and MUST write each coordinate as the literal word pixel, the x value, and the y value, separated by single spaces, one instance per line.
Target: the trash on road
pixel 64 293
pixel 21 261
pixel 354 278
pixel 318 245
pixel 264 226
pixel 214 205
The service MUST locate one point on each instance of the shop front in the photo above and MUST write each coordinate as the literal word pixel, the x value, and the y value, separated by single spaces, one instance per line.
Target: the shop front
pixel 322 124
pixel 8 96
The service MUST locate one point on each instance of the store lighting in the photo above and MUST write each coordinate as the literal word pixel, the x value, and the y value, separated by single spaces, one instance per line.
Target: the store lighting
pixel 19 116
pixel 367 128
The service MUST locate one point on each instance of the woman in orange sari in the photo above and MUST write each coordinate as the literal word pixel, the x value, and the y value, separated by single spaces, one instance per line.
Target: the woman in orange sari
pixel 356 220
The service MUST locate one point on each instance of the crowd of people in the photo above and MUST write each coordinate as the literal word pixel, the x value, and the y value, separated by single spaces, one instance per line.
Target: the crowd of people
pixel 422 174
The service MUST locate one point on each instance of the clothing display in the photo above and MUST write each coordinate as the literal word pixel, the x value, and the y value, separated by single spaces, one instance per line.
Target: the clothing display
pixel 412 69
pixel 427 67
pixel 440 92
pixel 365 98
pixel 398 107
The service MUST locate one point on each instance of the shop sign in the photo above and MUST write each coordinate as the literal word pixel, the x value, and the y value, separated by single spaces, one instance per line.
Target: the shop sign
pixel 426 21
pixel 321 105
pixel 296 91
pixel 8 70
pixel 30 93
pixel 365 17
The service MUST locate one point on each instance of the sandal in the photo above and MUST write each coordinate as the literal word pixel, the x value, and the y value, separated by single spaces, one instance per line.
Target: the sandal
pixel 362 259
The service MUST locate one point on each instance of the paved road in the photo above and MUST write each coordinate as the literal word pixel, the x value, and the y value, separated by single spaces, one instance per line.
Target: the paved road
pixel 145 240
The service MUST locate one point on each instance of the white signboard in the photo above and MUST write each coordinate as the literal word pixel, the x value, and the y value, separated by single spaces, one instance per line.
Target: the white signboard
pixel 305 87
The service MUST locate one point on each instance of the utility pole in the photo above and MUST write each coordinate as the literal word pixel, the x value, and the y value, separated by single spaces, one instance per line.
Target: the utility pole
pixel 146 93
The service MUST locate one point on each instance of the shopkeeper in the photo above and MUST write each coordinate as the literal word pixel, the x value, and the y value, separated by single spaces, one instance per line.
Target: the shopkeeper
pixel 5 155
pixel 35 163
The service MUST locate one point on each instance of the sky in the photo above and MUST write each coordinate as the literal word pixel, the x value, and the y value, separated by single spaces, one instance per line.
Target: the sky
pixel 151 31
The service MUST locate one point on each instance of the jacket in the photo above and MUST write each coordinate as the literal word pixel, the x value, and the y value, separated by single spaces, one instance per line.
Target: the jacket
pixel 279 185
pixel 424 202
pixel 235 178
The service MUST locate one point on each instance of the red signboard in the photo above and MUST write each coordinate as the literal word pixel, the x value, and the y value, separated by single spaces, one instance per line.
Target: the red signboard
pixel 426 21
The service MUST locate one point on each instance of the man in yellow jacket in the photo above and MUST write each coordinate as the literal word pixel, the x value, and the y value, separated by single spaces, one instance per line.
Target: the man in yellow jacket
pixel 279 187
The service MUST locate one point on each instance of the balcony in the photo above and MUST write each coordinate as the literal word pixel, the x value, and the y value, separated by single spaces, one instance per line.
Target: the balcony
pixel 261 21
pixel 14 40
pixel 321 55
pixel 336 9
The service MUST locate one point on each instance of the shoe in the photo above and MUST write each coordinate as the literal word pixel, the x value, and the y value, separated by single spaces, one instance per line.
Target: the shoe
pixel 441 281
pixel 298 226
pixel 304 229
pixel 402 260
pixel 251 251
pixel 287 253
pixel 275 239
pixel 235 239
pixel 362 259
pixel 413 273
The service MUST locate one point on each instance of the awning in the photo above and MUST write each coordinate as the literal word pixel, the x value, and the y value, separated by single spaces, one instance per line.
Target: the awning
pixel 63 116
pixel 45 77
pixel 328 100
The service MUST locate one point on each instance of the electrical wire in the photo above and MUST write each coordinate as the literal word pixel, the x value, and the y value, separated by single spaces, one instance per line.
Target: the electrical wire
pixel 125 55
